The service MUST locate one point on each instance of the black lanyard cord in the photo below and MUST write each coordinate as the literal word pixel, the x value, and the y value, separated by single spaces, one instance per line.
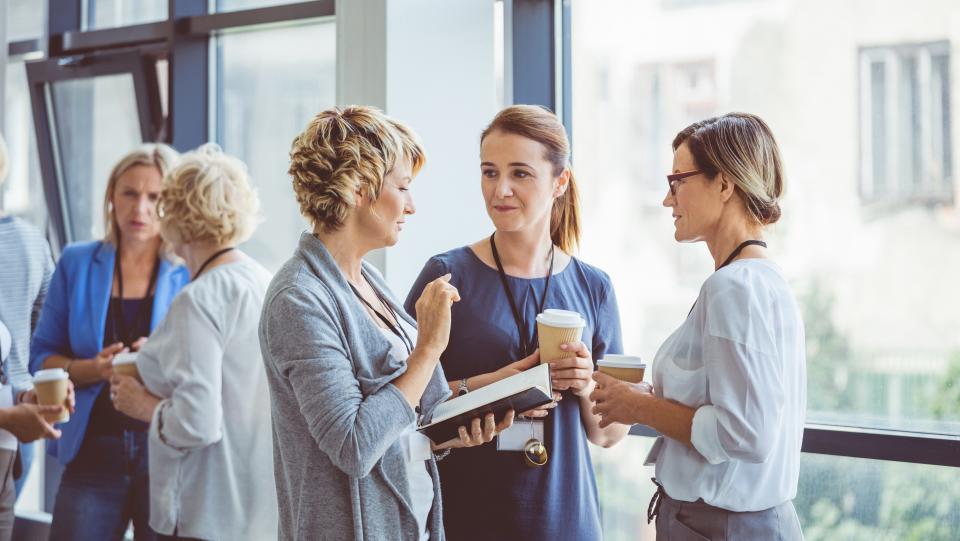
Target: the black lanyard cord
pixel 525 349
pixel 118 306
pixel 733 255
pixel 395 329
pixel 210 260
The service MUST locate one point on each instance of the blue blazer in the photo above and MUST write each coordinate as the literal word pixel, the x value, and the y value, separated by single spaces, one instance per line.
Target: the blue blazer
pixel 73 319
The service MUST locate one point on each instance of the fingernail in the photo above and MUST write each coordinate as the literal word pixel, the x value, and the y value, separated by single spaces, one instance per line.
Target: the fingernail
pixel 564 346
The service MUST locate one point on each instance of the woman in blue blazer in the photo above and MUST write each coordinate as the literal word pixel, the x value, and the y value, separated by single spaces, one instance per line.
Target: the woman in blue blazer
pixel 105 297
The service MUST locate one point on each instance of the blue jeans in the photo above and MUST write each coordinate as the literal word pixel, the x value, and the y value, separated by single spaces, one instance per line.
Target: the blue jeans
pixel 103 489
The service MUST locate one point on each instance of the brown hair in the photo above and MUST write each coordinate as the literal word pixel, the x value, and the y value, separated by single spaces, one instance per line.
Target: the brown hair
pixel 541 125
pixel 742 147
pixel 343 150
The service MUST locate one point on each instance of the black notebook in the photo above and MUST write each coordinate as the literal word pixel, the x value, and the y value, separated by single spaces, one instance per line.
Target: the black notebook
pixel 521 392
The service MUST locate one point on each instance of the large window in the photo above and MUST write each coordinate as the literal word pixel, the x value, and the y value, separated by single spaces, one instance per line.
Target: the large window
pixel 905 124
pixel 268 92
pixel 862 113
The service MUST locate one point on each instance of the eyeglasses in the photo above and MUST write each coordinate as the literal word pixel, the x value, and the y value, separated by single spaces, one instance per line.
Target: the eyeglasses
pixel 674 180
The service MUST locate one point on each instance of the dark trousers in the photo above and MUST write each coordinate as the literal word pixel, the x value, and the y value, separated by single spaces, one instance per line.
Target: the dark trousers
pixel 103 489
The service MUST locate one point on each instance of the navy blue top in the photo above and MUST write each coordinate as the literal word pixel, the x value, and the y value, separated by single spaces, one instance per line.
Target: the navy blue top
pixel 105 419
pixel 490 494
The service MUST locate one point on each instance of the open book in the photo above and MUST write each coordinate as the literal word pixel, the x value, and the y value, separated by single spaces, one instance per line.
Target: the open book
pixel 521 392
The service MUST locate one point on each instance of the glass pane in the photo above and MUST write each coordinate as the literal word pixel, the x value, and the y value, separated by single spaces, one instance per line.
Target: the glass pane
pixel 236 5
pixel 114 13
pixel 26 19
pixel 837 498
pixel 869 500
pixel 266 97
pixel 23 189
pixel 97 124
pixel 877 286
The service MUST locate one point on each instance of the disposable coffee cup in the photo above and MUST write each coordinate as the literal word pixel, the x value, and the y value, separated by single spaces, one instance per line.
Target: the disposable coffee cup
pixel 51 386
pixel 623 367
pixel 555 327
pixel 125 364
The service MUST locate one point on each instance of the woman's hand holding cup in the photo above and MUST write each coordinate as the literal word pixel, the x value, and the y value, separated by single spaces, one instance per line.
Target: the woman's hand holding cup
pixel 433 315
pixel 573 372
pixel 617 401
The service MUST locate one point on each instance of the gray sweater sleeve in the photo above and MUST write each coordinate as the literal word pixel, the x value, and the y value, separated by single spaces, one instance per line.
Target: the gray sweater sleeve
pixel 304 341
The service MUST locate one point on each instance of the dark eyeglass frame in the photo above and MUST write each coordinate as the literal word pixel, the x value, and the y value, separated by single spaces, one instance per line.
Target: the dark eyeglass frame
pixel 675 179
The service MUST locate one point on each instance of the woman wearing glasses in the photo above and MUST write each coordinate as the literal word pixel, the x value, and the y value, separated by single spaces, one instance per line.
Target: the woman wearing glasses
pixel 729 386
pixel 505 280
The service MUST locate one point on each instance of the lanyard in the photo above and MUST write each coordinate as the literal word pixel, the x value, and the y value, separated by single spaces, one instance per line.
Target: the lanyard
pixel 733 255
pixel 210 260
pixel 123 333
pixel 525 345
pixel 395 329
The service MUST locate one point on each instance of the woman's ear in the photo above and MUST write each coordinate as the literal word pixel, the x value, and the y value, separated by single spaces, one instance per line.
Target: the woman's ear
pixel 562 183
pixel 727 187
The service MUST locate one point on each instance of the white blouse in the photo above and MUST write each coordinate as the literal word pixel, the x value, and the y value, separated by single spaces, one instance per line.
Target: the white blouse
pixel 739 360
pixel 211 443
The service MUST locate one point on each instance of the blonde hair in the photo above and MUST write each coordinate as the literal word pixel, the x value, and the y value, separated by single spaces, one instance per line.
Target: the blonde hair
pixel 207 197
pixel 541 125
pixel 742 147
pixel 343 150
pixel 3 160
pixel 157 155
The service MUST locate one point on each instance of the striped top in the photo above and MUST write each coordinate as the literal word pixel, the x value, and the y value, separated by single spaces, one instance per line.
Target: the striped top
pixel 24 277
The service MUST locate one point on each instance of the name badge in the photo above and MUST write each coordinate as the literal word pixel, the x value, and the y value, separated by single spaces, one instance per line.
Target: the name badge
pixel 519 433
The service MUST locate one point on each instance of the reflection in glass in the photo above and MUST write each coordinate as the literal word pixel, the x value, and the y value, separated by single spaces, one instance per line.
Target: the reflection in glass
pixel 97 124
pixel 271 84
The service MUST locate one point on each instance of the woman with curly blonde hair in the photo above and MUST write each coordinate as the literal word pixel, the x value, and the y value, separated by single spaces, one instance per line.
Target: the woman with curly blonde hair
pixel 349 371
pixel 204 389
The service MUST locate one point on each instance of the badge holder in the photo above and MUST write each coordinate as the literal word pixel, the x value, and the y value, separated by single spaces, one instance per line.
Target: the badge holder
pixel 530 443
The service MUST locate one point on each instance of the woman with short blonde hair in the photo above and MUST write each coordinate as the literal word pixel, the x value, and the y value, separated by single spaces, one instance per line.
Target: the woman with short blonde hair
pixel 107 296
pixel 350 373
pixel 204 389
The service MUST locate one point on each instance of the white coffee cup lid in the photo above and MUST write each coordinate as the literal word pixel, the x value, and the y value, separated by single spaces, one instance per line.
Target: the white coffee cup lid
pixel 50 374
pixel 621 361
pixel 561 318
pixel 125 358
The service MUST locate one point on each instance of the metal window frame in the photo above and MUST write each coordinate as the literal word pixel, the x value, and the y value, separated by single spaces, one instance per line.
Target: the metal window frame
pixel 183 38
pixel 41 74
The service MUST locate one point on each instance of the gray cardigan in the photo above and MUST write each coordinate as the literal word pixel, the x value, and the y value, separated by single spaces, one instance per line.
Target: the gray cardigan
pixel 340 470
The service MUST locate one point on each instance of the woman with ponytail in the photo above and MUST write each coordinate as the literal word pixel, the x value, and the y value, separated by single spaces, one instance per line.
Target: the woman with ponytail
pixel 505 280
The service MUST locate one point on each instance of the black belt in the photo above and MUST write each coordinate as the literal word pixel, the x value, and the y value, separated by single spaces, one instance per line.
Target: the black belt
pixel 653 510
